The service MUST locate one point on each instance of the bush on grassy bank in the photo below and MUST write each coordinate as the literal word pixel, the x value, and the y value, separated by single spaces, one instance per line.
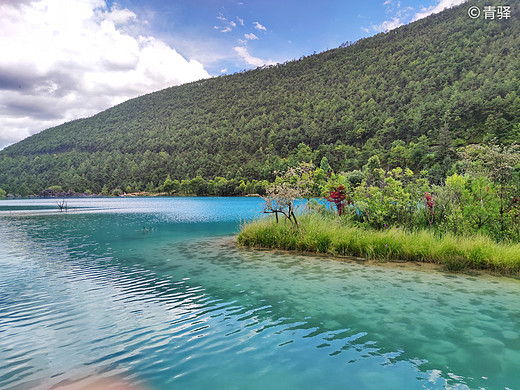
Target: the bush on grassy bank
pixel 324 234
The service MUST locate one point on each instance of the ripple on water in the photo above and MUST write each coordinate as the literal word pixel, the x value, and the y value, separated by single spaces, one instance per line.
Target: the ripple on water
pixel 178 307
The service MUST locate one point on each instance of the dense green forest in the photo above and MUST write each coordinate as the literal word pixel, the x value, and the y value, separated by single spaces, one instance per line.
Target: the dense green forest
pixel 411 96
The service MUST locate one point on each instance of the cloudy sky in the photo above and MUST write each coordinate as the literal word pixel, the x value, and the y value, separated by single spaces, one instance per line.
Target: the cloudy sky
pixel 66 59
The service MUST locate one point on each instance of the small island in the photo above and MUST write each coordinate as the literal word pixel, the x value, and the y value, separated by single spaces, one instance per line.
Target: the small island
pixel 471 220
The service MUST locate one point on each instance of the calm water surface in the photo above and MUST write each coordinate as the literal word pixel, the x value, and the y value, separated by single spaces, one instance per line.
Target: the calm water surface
pixel 154 292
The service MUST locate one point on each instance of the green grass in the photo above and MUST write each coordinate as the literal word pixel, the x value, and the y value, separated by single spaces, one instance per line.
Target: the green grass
pixel 320 234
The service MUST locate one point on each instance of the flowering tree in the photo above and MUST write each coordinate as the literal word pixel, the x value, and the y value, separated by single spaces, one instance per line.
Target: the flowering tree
pixel 280 199
pixel 338 196
pixel 281 195
pixel 430 207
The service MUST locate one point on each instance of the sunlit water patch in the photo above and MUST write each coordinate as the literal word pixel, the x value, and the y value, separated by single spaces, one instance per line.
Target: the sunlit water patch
pixel 154 292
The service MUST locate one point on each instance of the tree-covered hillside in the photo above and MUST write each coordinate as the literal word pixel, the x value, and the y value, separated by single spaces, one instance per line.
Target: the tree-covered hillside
pixel 410 96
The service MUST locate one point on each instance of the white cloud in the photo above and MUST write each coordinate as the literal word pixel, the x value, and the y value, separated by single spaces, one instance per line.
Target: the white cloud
pixel 120 16
pixel 392 6
pixel 251 36
pixel 65 59
pixel 259 27
pixel 388 25
pixel 249 59
pixel 240 21
pixel 404 14
pixel 228 24
pixel 443 4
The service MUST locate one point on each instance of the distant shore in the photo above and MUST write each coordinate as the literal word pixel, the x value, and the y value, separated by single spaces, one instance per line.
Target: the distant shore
pixel 72 194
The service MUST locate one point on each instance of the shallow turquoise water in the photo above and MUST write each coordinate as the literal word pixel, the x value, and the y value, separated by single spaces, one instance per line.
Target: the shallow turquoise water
pixel 153 292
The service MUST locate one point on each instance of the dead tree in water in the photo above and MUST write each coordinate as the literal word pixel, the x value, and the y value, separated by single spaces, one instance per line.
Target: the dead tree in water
pixel 62 205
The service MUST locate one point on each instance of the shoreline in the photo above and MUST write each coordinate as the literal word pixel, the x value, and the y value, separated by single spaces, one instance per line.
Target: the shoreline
pixel 327 237
pixel 128 195
pixel 391 264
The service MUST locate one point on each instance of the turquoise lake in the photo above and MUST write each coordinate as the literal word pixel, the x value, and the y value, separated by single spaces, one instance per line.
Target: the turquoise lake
pixel 154 292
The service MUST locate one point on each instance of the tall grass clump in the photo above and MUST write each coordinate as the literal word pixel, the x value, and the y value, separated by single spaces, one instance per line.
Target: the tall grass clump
pixel 324 234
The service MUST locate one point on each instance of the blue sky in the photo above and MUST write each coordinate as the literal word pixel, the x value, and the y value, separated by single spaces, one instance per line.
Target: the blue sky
pixel 67 59
pixel 270 30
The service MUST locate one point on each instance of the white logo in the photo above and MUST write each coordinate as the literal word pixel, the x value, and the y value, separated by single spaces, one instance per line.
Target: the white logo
pixel 474 12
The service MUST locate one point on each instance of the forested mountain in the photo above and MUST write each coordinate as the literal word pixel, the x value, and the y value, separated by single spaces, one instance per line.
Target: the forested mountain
pixel 410 95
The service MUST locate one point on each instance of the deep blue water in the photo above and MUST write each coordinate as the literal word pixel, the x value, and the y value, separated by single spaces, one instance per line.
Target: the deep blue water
pixel 154 292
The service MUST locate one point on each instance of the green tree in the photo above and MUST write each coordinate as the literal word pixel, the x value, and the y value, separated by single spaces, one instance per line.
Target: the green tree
pixel 372 170
pixel 170 186
pixel 198 186
pixel 116 192
pixel 324 165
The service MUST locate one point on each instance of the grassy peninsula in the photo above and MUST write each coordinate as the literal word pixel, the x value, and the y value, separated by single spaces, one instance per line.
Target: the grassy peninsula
pixel 319 234
pixel 470 220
